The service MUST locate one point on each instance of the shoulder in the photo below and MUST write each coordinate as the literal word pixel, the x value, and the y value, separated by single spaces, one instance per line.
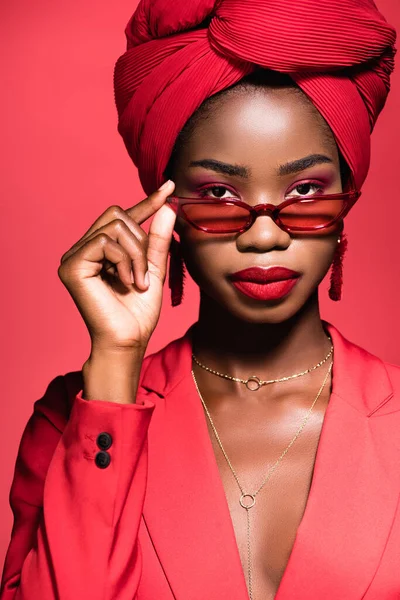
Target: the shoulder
pixel 394 374
pixel 56 402
pixel 378 382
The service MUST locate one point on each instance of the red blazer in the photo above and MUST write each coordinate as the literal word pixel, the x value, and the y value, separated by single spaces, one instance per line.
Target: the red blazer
pixel 154 524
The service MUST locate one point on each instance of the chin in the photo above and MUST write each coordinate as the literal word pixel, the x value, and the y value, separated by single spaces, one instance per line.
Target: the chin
pixel 261 312
pixel 265 315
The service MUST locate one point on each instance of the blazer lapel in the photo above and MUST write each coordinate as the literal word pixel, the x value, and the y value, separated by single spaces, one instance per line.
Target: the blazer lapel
pixel 185 509
pixel 352 500
pixel 355 486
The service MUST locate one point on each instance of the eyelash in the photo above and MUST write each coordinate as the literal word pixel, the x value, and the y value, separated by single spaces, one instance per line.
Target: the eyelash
pixel 319 188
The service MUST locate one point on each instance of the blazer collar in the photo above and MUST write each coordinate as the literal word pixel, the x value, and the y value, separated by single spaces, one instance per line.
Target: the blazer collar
pixel 352 499
pixel 358 377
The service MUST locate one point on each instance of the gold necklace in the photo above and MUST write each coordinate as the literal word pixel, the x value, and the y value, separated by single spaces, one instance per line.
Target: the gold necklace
pixel 254 383
pixel 247 500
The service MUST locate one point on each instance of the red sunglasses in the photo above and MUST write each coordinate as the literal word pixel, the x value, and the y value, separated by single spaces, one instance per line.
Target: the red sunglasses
pixel 230 215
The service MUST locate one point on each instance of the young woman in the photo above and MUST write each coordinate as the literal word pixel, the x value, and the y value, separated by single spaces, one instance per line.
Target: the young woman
pixel 258 456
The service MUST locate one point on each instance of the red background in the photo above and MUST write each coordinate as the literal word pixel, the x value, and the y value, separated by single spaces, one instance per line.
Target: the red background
pixel 64 163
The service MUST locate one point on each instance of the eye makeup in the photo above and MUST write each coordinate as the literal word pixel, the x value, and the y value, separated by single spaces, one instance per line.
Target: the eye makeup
pixel 322 177
pixel 209 190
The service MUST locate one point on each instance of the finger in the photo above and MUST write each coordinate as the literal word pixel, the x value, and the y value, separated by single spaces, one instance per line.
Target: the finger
pixel 88 261
pixel 150 205
pixel 133 216
pixel 111 214
pixel 136 250
pixel 160 234
pixel 119 232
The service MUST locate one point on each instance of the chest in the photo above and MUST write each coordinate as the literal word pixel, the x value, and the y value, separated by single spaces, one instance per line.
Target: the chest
pixel 255 449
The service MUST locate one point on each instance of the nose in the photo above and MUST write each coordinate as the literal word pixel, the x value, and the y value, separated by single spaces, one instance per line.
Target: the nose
pixel 263 236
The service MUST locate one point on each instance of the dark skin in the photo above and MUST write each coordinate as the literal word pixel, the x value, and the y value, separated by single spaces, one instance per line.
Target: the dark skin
pixel 115 274
pixel 260 132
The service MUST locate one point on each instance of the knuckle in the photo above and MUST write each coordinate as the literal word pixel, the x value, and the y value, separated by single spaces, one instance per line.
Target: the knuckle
pixel 115 210
pixel 102 238
pixel 118 225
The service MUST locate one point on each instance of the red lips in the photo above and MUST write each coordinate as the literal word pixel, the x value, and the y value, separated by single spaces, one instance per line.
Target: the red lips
pixel 261 275
pixel 272 283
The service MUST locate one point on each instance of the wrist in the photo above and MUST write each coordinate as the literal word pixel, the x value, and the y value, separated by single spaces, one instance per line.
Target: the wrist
pixel 112 375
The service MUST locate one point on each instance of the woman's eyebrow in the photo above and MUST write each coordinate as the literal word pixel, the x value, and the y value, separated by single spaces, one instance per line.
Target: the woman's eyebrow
pixel 301 164
pixel 221 167
pixel 289 168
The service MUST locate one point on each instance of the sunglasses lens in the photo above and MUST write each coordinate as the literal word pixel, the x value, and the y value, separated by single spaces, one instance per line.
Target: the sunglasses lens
pixel 217 217
pixel 310 213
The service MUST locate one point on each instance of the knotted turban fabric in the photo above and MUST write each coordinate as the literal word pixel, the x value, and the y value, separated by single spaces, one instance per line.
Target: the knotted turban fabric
pixel 180 52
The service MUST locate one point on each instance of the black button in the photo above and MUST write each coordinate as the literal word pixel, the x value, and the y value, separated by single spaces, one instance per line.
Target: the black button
pixel 102 459
pixel 104 440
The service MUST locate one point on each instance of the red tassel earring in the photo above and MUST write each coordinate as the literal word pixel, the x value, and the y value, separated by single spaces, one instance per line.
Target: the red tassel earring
pixel 335 290
pixel 176 276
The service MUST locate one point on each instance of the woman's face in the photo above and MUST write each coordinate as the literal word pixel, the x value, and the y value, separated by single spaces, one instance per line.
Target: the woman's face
pixel 244 149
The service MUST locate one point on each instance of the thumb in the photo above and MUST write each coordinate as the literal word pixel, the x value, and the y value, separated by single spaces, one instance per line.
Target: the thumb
pixel 160 234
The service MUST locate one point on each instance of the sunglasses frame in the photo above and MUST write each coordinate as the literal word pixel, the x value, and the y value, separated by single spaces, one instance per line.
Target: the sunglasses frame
pixel 178 202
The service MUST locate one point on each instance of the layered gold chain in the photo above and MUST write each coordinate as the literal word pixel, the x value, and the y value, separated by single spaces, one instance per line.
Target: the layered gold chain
pixel 253 382
pixel 247 500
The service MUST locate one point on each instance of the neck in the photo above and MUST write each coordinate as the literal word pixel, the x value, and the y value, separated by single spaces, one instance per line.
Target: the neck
pixel 231 346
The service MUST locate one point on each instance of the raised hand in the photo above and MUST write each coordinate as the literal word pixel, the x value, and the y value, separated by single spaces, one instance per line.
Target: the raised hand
pixel 115 272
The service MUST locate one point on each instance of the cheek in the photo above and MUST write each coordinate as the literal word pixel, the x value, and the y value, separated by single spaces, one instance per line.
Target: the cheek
pixel 314 256
pixel 207 256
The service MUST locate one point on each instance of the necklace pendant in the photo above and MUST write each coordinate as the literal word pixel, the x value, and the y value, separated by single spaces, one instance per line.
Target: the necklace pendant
pixel 253 383
pixel 249 504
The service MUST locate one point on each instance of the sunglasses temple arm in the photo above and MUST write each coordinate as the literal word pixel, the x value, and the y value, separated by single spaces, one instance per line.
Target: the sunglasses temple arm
pixel 173 202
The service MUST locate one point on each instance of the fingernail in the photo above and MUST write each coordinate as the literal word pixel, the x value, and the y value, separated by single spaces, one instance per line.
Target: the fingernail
pixel 164 185
pixel 147 279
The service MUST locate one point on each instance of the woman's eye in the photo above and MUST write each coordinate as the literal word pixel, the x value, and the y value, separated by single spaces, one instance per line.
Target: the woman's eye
pixel 305 189
pixel 216 191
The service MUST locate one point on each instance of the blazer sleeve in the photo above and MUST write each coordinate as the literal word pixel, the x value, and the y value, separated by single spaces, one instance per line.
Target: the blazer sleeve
pixel 77 500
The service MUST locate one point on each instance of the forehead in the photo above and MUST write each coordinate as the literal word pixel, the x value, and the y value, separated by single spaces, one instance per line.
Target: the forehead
pixel 261 128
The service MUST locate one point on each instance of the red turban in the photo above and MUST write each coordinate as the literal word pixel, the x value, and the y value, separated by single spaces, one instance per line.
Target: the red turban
pixel 339 52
